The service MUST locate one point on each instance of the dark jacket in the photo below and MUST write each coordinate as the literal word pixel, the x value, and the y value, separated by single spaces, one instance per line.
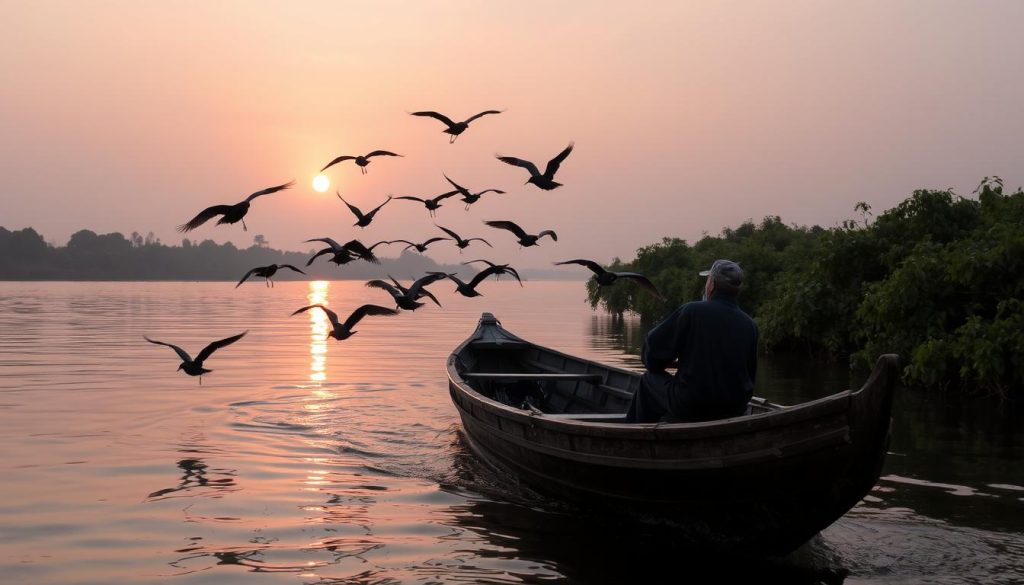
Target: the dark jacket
pixel 715 343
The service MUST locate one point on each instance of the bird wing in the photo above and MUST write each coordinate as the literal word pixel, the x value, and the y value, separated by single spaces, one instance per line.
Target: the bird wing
pixel 381 153
pixel 511 160
pixel 356 247
pixel 289 266
pixel 430 296
pixel 444 196
pixel 423 281
pixel 404 242
pixel 336 161
pixel 204 216
pixel 270 190
pixel 551 233
pixel 554 163
pixel 515 273
pixel 643 281
pixel 335 246
pixel 488 262
pixel 450 277
pixel 377 244
pixel 432 240
pixel 480 276
pixel 482 240
pixel 376 209
pixel 508 225
pixel 458 187
pixel 209 349
pixel 319 254
pixel 247 275
pixel 450 233
pixel 474 117
pixel 355 210
pixel 367 310
pixel 445 119
pixel 377 283
pixel 593 266
pixel 485 191
pixel 330 314
pixel 181 352
pixel 411 198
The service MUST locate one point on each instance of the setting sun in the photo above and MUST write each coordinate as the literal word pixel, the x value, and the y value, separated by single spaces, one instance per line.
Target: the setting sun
pixel 321 183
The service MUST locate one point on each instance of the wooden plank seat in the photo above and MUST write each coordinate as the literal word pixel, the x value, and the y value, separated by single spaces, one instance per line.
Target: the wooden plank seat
pixel 508 376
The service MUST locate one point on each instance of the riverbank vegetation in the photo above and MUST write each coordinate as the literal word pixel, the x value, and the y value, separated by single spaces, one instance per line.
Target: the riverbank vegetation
pixel 938 279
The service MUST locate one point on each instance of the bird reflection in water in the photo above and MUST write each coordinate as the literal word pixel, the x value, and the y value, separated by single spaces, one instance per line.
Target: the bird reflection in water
pixel 194 476
pixel 319 326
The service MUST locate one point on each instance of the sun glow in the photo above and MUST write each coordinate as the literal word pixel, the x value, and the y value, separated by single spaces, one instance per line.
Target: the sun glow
pixel 321 183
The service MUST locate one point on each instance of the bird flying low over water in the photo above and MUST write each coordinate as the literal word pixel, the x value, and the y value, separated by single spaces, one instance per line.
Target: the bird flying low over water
pixel 421 248
pixel 454 128
pixel 547 180
pixel 362 160
pixel 194 367
pixel 362 219
pixel 267 272
pixel 232 213
pixel 431 204
pixel 501 269
pixel 471 198
pixel 468 289
pixel 342 331
pixel 607 277
pixel 525 239
pixel 407 298
pixel 352 250
pixel 461 243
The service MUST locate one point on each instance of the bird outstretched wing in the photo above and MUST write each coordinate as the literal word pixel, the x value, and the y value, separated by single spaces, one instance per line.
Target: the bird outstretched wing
pixel 444 119
pixel 247 275
pixel 518 162
pixel 330 242
pixel 411 198
pixel 443 196
pixel 356 247
pixel 480 276
pixel 643 282
pixel 377 283
pixel 593 266
pixel 355 210
pixel 474 117
pixel 551 233
pixel 508 225
pixel 290 267
pixel 417 287
pixel 209 349
pixel 554 163
pixel 330 314
pixel 486 191
pixel 454 235
pixel 181 352
pixel 459 188
pixel 204 216
pixel 380 153
pixel 481 240
pixel 367 310
pixel 336 161
pixel 270 190
pixel 319 254
pixel 373 211
pixel 432 240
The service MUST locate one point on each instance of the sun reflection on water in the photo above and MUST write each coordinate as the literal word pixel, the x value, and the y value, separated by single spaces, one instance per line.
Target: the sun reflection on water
pixel 319 327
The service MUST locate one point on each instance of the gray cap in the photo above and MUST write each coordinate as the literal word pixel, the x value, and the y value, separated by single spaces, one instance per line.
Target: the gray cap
pixel 725 271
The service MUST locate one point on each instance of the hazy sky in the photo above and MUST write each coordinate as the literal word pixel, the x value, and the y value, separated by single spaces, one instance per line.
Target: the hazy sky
pixel 687 116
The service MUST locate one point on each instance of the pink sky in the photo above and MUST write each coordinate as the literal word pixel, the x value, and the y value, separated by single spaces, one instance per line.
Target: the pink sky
pixel 687 116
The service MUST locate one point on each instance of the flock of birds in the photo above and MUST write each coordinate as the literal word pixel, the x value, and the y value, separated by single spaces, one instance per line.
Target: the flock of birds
pixel 404 297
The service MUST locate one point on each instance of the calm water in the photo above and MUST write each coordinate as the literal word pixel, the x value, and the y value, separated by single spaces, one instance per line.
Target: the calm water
pixel 304 461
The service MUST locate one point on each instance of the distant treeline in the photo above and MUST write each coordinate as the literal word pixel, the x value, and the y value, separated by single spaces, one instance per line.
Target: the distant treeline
pixel 938 279
pixel 25 255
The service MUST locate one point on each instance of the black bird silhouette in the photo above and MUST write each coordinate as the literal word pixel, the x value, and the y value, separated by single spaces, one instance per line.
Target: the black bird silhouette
pixel 407 298
pixel 471 198
pixel 525 239
pixel 421 248
pixel 267 272
pixel 469 289
pixel 362 161
pixel 352 250
pixel 194 367
pixel 232 213
pixel 431 204
pixel 607 277
pixel 502 269
pixel 545 181
pixel 363 219
pixel 459 241
pixel 454 128
pixel 342 331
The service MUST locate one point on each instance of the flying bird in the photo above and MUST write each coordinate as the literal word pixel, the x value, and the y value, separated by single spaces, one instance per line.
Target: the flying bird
pixel 362 161
pixel 267 272
pixel 362 219
pixel 547 180
pixel 194 367
pixel 525 239
pixel 431 204
pixel 343 254
pixel 470 198
pixel 454 128
pixel 607 277
pixel 468 289
pixel 421 248
pixel 407 298
pixel 461 243
pixel 342 331
pixel 232 213
pixel 501 269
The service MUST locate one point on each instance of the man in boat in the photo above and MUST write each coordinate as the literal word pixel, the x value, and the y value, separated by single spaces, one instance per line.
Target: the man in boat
pixel 713 343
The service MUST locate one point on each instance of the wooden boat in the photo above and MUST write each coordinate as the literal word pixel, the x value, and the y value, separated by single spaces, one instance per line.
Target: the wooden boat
pixel 766 482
